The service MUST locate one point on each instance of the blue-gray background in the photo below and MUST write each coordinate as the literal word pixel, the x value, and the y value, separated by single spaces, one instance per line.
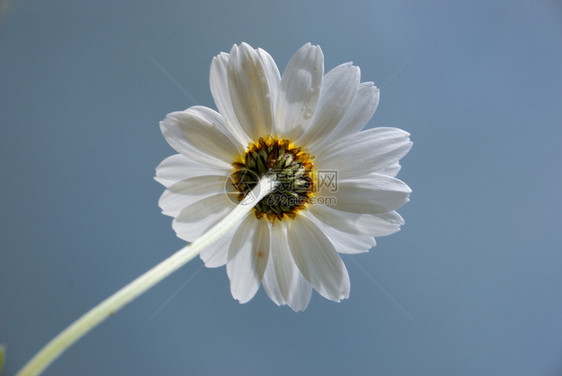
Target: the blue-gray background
pixel 477 266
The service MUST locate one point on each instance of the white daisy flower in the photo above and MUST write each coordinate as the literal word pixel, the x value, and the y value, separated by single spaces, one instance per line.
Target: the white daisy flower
pixel 337 187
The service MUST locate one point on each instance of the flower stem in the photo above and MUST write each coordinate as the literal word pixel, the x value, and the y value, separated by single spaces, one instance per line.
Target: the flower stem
pixel 109 306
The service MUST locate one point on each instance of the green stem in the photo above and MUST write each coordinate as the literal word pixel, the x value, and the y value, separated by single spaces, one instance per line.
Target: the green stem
pixel 109 306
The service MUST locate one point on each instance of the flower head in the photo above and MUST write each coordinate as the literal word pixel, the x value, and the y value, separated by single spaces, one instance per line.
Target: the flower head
pixel 336 184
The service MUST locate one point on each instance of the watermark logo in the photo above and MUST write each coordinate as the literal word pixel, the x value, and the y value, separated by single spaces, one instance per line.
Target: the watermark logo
pixel 289 190
pixel 327 179
pixel 241 181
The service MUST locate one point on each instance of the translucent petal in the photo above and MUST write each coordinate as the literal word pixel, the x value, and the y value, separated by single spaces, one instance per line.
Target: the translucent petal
pixel 221 94
pixel 344 242
pixel 359 113
pixel 188 191
pixel 317 259
pixel 378 149
pixel 299 91
pixel 269 281
pixel 251 82
pixel 293 287
pixel 179 167
pixel 247 258
pixel 370 194
pixel 196 133
pixel 194 220
pixel 216 254
pixel 360 224
pixel 336 95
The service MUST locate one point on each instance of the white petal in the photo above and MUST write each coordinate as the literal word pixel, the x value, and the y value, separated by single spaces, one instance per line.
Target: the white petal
pixel 188 191
pixel 391 170
pixel 359 113
pixel 347 243
pixel 247 258
pixel 269 281
pixel 301 292
pixel 196 134
pixel 216 254
pixel 376 148
pixel 293 287
pixel 299 91
pixel 261 246
pixel 360 224
pixel 336 95
pixel 250 82
pixel 317 259
pixel 344 242
pixel 273 77
pixel 194 220
pixel 221 94
pixel 370 194
pixel 178 167
pixel 283 261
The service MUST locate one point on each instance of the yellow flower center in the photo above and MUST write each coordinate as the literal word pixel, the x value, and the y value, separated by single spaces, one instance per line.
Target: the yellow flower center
pixel 293 170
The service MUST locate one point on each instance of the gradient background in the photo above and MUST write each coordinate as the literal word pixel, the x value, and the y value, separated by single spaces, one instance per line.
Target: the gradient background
pixel 477 267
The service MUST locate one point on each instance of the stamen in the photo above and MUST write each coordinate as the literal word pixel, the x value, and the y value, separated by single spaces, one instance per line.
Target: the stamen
pixel 293 170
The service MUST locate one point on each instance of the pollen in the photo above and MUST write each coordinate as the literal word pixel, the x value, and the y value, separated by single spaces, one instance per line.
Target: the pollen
pixel 293 170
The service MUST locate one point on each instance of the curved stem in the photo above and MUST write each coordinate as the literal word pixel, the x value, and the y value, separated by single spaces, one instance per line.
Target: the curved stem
pixel 138 286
